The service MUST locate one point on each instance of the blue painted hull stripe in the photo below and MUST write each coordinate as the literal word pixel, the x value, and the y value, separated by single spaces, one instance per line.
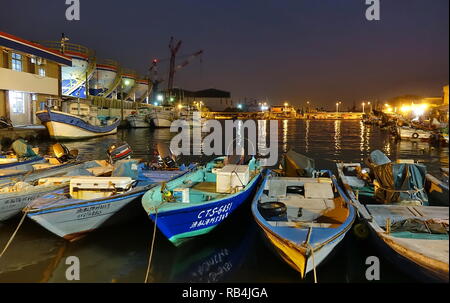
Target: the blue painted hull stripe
pixel 31 214
pixel 76 122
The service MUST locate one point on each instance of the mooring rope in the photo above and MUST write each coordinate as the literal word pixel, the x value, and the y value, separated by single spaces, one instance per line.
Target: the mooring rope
pixel 312 253
pixel 14 234
pixel 314 263
pixel 152 247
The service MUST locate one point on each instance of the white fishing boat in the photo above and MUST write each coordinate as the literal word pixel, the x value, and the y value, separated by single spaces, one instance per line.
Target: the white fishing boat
pixel 17 195
pixel 163 116
pixel 139 119
pixel 88 203
pixel 412 236
pixel 407 133
pixel 61 125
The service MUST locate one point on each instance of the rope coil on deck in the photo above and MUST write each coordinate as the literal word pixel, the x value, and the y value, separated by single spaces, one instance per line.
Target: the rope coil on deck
pixel 409 191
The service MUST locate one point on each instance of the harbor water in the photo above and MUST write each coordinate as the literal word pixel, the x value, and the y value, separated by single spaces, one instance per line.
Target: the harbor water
pixel 235 251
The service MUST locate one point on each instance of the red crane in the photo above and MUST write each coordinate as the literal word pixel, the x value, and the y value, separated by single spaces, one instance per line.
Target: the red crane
pixel 174 48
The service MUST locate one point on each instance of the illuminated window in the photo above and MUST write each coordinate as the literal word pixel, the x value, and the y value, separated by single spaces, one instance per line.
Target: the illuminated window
pixel 16 62
pixel 41 71
pixel 17 102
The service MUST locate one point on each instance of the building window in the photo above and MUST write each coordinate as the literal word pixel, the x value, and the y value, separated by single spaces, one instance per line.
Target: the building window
pixel 16 61
pixel 17 102
pixel 41 71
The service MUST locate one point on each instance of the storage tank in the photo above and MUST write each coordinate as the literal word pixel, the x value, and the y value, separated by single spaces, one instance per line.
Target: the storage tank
pixel 128 81
pixel 73 78
pixel 142 89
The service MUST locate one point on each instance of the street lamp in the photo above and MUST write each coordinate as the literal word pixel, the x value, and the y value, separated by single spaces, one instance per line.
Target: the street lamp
pixel 337 106
pixel 370 107
pixel 363 106
pixel 307 106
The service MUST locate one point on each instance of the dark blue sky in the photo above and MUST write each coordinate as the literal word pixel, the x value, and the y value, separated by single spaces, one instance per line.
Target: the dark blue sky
pixel 318 50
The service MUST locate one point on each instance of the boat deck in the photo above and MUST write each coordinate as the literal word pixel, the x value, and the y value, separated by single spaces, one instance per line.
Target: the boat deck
pixel 316 207
pixel 399 213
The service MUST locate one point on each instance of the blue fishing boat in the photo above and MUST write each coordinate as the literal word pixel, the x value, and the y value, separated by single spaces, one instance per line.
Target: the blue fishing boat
pixel 62 125
pixel 196 203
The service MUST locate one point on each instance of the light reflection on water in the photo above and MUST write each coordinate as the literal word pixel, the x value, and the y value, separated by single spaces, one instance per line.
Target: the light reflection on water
pixel 233 252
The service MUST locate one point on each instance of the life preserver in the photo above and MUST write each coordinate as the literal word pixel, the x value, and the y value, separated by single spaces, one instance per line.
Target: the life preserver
pixel 415 135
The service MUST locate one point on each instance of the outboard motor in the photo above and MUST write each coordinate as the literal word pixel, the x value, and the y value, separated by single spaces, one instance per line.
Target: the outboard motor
pixel 62 153
pixel 119 151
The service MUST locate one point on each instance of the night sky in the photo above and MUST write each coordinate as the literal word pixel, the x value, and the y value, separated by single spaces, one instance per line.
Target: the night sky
pixel 317 50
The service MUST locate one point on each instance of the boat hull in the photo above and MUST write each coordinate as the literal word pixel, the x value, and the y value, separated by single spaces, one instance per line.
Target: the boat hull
pixel 71 222
pixel 12 204
pixel 396 255
pixel 65 126
pixel 138 122
pixel 185 224
pixel 23 165
pixel 161 122
pixel 413 134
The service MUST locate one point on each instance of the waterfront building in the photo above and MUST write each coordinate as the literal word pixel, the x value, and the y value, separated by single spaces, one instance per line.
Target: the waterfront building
pixel 30 74
pixel 213 99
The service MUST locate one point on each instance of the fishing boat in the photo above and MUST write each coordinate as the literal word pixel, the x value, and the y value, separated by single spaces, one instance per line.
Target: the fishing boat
pixel 408 133
pixel 163 116
pixel 21 157
pixel 138 119
pixel 194 204
pixel 14 196
pixel 303 217
pixel 406 231
pixel 61 125
pixel 60 162
pixel 87 203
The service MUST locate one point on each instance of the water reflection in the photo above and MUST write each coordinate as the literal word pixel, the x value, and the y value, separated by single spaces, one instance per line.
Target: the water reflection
pixel 285 135
pixel 226 254
pixel 307 122
pixel 337 136
pixel 206 261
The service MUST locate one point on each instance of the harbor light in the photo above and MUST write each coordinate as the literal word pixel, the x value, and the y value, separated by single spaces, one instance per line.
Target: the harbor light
pixel 419 109
pixel 155 103
pixel 160 97
pixel 239 106
pixel 180 106
pixel 127 82
pixel 286 104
